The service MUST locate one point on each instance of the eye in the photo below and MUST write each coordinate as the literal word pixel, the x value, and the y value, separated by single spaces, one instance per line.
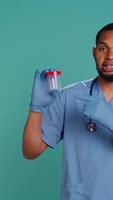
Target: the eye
pixel 102 49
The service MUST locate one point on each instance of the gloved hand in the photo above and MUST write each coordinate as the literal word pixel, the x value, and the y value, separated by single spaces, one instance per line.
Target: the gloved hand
pixel 41 96
pixel 99 110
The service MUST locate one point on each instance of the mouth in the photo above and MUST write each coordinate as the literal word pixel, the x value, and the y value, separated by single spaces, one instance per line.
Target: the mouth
pixel 107 67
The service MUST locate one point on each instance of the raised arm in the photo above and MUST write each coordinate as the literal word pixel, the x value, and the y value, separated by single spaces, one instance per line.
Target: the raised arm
pixel 33 144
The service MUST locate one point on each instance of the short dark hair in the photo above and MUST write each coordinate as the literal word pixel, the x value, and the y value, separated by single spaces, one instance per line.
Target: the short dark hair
pixel 108 27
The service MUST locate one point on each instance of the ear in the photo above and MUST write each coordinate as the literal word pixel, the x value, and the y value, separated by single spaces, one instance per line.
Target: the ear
pixel 94 51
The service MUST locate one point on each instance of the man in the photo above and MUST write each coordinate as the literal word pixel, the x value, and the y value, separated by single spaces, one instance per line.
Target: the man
pixel 81 115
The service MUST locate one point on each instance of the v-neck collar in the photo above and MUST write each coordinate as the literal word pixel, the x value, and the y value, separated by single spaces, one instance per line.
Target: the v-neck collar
pixel 101 93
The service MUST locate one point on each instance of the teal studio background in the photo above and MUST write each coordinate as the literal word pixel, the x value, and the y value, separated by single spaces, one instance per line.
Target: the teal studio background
pixel 40 34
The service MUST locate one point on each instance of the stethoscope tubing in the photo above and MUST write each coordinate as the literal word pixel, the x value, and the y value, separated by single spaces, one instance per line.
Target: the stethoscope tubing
pixel 91 126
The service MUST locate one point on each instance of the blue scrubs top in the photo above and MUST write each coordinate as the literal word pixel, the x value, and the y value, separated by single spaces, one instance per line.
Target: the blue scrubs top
pixel 87 165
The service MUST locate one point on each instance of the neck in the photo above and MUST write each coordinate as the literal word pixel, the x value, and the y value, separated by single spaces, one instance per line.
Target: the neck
pixel 107 88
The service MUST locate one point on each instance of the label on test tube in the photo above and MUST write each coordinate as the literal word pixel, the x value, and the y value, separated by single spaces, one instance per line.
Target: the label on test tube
pixel 53 77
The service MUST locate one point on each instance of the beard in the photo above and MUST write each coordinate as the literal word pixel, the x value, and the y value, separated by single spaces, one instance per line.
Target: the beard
pixel 108 78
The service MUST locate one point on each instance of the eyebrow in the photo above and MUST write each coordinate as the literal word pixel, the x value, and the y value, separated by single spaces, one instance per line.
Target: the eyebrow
pixel 102 43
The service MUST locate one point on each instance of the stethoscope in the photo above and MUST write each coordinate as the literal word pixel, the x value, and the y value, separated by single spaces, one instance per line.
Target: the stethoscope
pixel 91 126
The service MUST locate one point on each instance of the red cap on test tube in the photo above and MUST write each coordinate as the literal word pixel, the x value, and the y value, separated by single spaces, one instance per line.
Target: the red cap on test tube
pixel 52 73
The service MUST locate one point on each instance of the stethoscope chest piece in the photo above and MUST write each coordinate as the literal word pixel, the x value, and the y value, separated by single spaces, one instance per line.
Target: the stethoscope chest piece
pixel 91 126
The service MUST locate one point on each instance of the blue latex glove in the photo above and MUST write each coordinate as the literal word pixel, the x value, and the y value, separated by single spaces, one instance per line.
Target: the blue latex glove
pixel 99 110
pixel 41 96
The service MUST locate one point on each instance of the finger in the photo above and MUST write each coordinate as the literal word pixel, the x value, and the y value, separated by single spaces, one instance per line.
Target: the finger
pixel 36 73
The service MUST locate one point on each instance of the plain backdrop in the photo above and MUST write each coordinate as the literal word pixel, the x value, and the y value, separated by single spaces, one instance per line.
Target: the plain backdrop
pixel 40 34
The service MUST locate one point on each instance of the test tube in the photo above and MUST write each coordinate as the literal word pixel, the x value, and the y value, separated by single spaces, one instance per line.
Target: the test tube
pixel 53 77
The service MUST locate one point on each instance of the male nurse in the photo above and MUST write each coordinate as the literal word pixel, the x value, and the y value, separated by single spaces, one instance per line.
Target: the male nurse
pixel 82 116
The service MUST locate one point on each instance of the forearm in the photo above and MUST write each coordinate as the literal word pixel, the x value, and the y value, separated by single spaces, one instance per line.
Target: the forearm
pixel 32 137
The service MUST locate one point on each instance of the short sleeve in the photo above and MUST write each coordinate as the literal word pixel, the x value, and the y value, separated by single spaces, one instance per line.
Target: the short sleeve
pixel 53 120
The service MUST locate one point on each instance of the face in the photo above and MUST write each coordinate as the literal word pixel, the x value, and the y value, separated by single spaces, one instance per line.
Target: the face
pixel 103 54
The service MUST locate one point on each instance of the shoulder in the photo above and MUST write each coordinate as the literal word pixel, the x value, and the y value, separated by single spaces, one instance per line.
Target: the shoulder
pixel 67 93
pixel 79 87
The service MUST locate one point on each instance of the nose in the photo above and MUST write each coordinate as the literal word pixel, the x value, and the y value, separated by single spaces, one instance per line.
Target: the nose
pixel 109 55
